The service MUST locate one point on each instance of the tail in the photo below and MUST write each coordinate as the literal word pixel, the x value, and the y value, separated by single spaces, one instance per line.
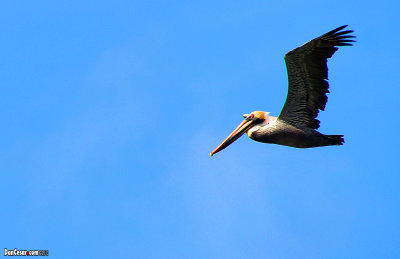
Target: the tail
pixel 335 139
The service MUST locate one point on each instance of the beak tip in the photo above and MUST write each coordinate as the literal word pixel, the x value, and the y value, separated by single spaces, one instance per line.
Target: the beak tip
pixel 211 154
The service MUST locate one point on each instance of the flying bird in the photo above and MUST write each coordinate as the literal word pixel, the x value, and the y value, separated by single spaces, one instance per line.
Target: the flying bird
pixel 297 124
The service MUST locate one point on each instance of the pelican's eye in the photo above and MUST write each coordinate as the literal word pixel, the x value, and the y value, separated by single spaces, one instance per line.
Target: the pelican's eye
pixel 250 117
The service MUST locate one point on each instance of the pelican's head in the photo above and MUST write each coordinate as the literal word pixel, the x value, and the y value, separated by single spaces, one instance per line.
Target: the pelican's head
pixel 251 120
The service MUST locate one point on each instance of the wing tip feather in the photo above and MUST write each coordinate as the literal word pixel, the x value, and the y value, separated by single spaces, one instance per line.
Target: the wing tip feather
pixel 338 37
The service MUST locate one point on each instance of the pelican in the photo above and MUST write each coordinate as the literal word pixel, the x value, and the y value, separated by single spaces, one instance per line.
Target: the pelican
pixel 297 124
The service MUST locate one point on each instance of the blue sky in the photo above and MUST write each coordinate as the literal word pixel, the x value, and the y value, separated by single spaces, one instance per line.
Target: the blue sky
pixel 110 110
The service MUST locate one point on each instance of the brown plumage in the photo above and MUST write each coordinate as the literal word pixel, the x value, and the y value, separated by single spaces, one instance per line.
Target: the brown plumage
pixel 297 124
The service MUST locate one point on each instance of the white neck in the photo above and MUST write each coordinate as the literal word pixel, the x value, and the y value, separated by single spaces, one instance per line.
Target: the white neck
pixel 262 124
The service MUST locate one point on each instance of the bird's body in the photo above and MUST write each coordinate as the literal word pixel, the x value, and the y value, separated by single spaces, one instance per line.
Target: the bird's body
pixel 282 133
pixel 296 126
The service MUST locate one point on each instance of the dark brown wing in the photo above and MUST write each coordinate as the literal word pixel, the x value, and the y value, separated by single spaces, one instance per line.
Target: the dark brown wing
pixel 308 78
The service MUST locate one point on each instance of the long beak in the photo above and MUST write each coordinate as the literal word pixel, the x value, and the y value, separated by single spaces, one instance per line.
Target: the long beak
pixel 239 131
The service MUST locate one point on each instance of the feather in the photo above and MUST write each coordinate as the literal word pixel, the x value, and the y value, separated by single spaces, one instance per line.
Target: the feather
pixel 308 75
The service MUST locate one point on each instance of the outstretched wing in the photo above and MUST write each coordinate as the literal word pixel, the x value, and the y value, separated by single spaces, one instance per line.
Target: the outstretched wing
pixel 308 77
